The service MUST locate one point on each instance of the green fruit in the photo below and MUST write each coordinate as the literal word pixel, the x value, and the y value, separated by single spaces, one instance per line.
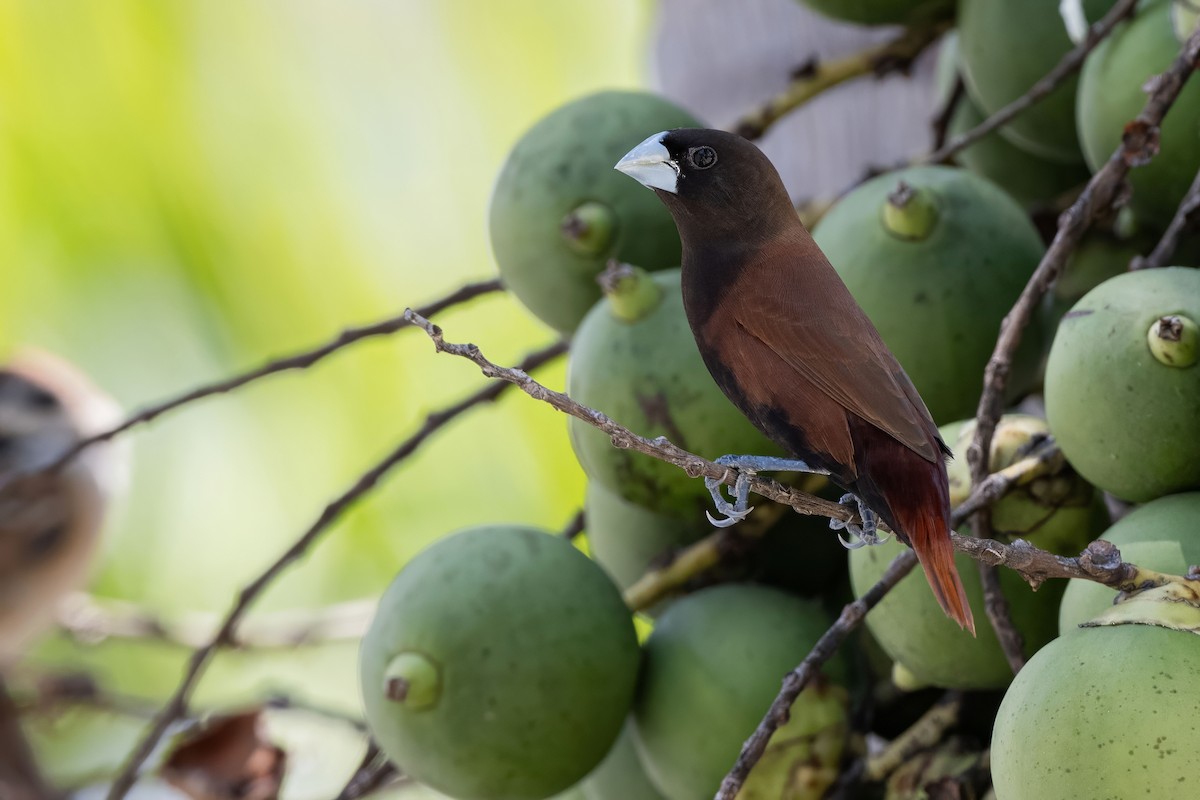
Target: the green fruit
pixel 1129 423
pixel 712 667
pixel 1101 713
pixel 521 656
pixel 626 539
pixel 1032 181
pixel 938 300
pixel 1161 535
pixel 1111 94
pixel 559 211
pixel 621 775
pixel 646 373
pixel 1059 512
pixel 883 12
pixel 1006 48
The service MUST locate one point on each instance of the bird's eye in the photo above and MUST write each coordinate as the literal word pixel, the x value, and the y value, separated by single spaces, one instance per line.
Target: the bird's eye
pixel 41 399
pixel 702 157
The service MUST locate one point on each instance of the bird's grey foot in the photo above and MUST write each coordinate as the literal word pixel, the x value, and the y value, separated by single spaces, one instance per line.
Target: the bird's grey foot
pixel 746 467
pixel 860 535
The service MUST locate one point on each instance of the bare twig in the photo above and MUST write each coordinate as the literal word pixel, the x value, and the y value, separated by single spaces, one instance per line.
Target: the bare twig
pixel 1139 145
pixel 815 77
pixel 1187 217
pixel 90 621
pixel 941 121
pixel 196 665
pixel 995 605
pixel 1065 68
pixel 297 361
pixel 574 526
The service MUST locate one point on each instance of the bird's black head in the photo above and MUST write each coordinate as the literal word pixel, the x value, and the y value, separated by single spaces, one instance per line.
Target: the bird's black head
pixel 712 181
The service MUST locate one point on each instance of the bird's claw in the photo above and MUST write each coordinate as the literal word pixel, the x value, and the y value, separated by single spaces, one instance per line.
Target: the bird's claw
pixel 860 535
pixel 735 512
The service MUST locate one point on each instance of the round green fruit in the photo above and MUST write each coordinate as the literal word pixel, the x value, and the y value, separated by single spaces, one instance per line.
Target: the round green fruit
pixel 1111 94
pixel 1126 420
pixel 501 663
pixel 1102 712
pixel 937 288
pixel 1059 512
pixel 635 359
pixel 712 668
pixel 559 211
pixel 883 12
pixel 621 775
pixel 1162 535
pixel 1007 47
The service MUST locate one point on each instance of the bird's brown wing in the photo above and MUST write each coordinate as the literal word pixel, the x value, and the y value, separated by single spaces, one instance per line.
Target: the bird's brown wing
pixel 810 322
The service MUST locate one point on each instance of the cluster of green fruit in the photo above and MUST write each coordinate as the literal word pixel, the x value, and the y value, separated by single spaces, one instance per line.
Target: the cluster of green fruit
pixel 504 663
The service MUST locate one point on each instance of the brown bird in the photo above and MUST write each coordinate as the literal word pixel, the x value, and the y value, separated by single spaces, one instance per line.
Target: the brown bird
pixel 787 343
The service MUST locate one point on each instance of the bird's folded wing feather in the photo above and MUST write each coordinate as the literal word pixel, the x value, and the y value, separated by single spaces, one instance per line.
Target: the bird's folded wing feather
pixel 827 339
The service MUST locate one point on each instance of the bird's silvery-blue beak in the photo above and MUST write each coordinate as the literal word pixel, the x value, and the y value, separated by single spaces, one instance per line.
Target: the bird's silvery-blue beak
pixel 650 165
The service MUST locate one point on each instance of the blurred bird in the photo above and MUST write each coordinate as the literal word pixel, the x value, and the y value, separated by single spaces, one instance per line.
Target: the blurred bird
pixel 49 523
pixel 787 343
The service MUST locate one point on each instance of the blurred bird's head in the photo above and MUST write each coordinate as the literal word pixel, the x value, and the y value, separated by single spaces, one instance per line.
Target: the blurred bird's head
pixel 49 522
pixel 713 182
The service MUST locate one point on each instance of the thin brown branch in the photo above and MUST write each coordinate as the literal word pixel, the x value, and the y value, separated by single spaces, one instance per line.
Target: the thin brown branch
pixel 296 361
pixel 1187 217
pixel 1138 146
pixel 90 621
pixel 1065 68
pixel 815 77
pixel 941 121
pixel 995 605
pixel 177 704
pixel 574 526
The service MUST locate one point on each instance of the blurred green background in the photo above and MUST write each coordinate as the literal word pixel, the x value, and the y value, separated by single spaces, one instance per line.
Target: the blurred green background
pixel 189 188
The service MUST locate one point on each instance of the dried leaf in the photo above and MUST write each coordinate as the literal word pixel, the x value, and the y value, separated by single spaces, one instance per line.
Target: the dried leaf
pixel 228 758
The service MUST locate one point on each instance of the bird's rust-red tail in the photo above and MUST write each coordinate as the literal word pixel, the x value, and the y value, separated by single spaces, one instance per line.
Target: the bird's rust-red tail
pixel 929 534
pixel 912 495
